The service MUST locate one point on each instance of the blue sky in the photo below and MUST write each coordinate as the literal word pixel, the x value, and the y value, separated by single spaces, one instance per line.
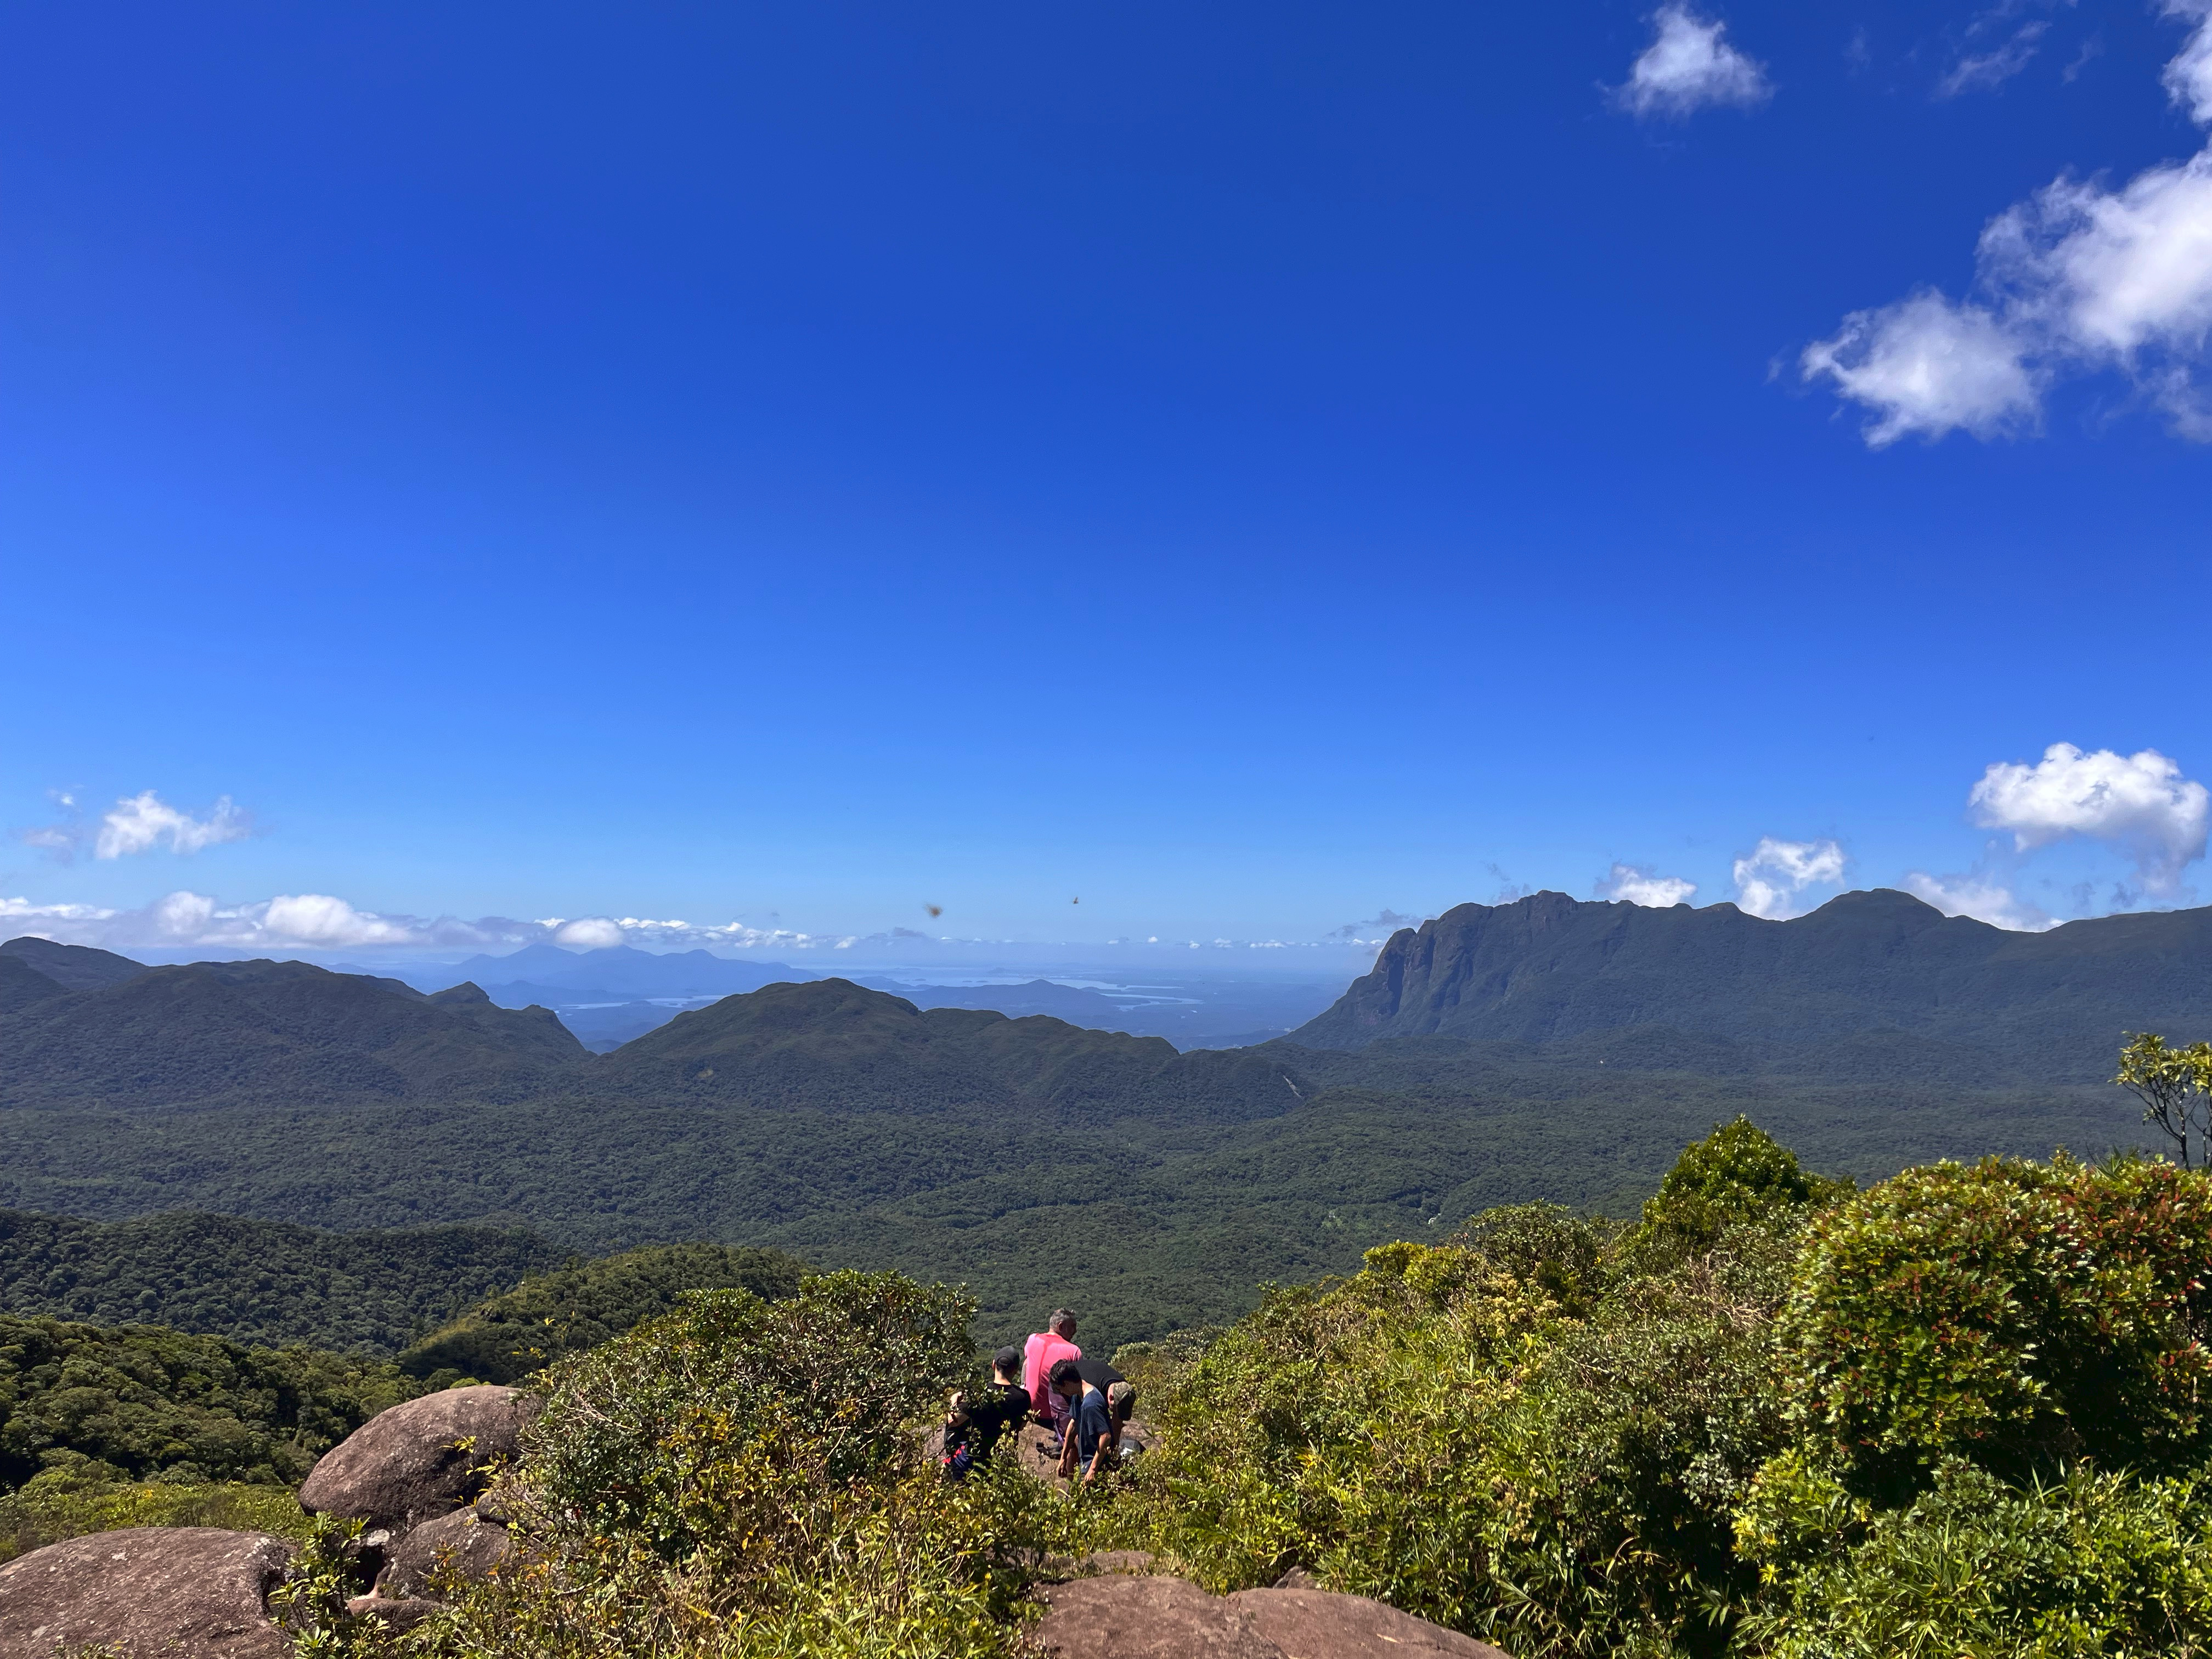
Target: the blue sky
pixel 1253 469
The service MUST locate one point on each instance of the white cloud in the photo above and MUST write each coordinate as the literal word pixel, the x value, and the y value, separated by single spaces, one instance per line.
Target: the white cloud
pixel 1981 898
pixel 589 933
pixel 2139 803
pixel 141 823
pixel 2189 78
pixel 1993 68
pixel 1928 366
pixel 1689 66
pixel 1770 881
pixel 1636 883
pixel 2077 279
pixel 317 918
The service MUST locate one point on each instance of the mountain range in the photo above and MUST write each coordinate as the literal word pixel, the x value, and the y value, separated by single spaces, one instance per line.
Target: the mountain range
pixel 1546 1049
pixel 1865 970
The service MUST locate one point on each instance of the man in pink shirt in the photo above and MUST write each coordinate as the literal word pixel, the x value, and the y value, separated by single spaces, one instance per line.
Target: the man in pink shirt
pixel 1045 1349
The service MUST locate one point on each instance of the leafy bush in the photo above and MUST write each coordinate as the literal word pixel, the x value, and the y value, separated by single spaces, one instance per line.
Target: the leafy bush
pixel 1439 1433
pixel 744 1477
pixel 2021 1315
pixel 1738 1173
pixel 2090 1565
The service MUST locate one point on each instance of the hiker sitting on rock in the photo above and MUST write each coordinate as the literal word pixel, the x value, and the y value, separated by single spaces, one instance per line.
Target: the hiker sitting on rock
pixel 1089 1443
pixel 1045 1349
pixel 975 1422
pixel 1121 1395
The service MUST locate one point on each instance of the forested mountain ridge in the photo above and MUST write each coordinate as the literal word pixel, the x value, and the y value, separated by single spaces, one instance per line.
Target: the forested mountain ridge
pixel 1881 964
pixel 72 967
pixel 231 1030
pixel 830 1044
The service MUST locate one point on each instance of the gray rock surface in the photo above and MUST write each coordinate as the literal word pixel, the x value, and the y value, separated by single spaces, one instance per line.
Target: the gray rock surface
pixel 420 1460
pixel 146 1593
pixel 1125 1617
pixel 1316 1623
pixel 462 1544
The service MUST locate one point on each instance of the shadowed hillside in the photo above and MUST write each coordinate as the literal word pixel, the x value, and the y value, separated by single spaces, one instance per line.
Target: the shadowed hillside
pixel 236 1030
pixel 72 967
pixel 831 1045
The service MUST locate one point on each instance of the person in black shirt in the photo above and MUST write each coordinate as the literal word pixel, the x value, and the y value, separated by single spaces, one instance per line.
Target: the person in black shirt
pixel 976 1423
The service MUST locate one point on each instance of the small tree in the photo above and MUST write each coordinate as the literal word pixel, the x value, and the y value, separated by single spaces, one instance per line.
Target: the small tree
pixel 2174 1085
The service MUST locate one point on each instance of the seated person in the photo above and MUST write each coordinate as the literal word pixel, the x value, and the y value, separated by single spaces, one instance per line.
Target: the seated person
pixel 974 1422
pixel 1087 1445
pixel 1121 1394
pixel 1044 1350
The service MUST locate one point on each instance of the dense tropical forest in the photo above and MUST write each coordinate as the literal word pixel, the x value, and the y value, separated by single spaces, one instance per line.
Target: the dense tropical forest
pixel 1958 1412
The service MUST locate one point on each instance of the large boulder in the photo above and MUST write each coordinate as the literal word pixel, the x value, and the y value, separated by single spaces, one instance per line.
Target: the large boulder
pixel 462 1544
pixel 1121 1616
pixel 419 1459
pixel 146 1593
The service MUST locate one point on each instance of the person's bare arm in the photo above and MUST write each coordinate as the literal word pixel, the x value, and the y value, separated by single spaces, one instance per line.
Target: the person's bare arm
pixel 1067 1453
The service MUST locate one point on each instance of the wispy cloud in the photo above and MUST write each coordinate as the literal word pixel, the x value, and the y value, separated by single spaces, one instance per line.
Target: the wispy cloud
pixel 1772 878
pixel 1690 66
pixel 1983 898
pixel 2077 279
pixel 1981 71
pixel 1639 883
pixel 144 823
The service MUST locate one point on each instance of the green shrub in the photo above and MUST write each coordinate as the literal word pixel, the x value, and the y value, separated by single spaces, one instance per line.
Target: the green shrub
pixel 1738 1173
pixel 2018 1314
pixel 2091 1565
pixel 746 1479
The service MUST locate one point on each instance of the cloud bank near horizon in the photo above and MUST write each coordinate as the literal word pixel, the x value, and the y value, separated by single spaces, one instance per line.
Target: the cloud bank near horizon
pixel 2138 807
pixel 319 921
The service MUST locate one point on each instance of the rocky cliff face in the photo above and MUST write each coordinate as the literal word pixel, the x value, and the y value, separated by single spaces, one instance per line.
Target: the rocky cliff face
pixel 1549 969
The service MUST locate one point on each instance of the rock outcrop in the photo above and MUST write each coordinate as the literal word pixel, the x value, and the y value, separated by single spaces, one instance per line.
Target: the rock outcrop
pixel 417 1460
pixel 462 1544
pixel 1316 1624
pixel 147 1593
pixel 1126 1617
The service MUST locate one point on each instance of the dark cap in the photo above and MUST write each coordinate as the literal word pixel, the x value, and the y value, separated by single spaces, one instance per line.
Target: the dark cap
pixel 1008 1360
